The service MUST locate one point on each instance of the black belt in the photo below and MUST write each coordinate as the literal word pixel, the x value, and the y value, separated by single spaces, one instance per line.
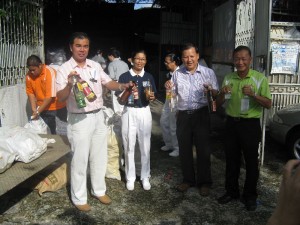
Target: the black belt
pixel 192 111
pixel 238 119
pixel 89 112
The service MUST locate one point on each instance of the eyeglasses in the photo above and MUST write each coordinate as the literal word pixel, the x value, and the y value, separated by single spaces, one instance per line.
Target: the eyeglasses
pixel 139 59
pixel 167 63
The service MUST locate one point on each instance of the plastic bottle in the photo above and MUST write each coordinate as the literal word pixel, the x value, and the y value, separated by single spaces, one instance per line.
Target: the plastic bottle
pixel 78 92
pixel 87 90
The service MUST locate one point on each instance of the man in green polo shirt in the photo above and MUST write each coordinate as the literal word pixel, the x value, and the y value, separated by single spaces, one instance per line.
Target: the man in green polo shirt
pixel 245 93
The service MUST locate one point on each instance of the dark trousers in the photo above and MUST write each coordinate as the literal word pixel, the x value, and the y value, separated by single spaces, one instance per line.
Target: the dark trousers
pixel 194 129
pixel 49 117
pixel 242 138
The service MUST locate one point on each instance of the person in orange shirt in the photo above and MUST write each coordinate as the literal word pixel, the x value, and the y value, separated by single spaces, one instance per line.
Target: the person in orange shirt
pixel 41 91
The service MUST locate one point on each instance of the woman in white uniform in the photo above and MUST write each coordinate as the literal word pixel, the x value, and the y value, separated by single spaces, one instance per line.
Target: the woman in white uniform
pixel 137 120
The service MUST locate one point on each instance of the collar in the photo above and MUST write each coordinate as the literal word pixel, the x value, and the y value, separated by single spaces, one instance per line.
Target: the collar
pixel 74 64
pixel 171 73
pixel 134 74
pixel 198 70
pixel 115 59
pixel 236 76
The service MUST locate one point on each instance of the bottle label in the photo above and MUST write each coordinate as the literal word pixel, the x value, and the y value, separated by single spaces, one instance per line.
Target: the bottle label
pixel 80 88
pixel 244 104
pixel 168 94
pixel 130 99
pixel 214 106
pixel 90 96
pixel 136 93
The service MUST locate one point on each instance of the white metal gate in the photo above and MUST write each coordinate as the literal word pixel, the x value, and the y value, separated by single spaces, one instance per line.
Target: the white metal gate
pixel 21 34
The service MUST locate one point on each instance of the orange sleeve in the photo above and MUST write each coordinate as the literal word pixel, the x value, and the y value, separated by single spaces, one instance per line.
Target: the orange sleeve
pixel 50 82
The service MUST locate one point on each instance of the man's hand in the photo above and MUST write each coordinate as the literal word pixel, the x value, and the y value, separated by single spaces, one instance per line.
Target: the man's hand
pixel 70 78
pixel 35 115
pixel 247 90
pixel 168 84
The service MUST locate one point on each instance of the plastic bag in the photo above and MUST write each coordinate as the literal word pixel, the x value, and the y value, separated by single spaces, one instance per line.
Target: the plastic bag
pixel 38 126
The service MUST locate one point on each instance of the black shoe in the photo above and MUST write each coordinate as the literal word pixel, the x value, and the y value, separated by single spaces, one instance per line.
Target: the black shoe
pixel 226 198
pixel 250 204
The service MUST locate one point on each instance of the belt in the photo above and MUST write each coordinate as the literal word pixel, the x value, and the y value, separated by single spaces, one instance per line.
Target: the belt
pixel 139 107
pixel 191 111
pixel 238 119
pixel 89 112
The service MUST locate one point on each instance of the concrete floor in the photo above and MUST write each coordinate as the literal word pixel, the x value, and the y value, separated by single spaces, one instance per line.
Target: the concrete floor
pixel 161 205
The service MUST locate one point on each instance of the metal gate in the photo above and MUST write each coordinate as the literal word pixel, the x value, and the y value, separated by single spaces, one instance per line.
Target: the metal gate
pixel 21 34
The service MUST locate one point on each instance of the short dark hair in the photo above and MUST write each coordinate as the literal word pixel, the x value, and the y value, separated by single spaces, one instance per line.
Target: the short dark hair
pixel 187 46
pixel 174 58
pixel 33 60
pixel 114 52
pixel 79 35
pixel 137 52
pixel 241 48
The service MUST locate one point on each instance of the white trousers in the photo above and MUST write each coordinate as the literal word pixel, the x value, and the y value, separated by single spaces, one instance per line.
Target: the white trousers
pixel 168 127
pixel 136 124
pixel 116 106
pixel 87 134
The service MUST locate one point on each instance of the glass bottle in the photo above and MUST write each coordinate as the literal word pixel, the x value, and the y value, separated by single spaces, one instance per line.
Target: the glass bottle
pixel 229 87
pixel 212 104
pixel 245 101
pixel 78 92
pixel 87 90
pixel 173 100
pixel 148 90
pixel 135 92
pixel 127 94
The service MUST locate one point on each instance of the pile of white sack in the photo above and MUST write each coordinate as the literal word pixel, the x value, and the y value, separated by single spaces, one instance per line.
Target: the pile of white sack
pixel 20 144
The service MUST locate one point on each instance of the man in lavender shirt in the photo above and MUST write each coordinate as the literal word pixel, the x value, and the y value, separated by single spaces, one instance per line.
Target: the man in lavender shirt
pixel 87 131
pixel 191 83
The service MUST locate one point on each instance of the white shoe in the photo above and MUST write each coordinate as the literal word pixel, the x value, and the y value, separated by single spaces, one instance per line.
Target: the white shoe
pixel 175 153
pixel 165 148
pixel 146 184
pixel 130 185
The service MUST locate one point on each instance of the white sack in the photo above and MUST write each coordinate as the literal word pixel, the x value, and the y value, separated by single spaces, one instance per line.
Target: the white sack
pixel 7 157
pixel 26 144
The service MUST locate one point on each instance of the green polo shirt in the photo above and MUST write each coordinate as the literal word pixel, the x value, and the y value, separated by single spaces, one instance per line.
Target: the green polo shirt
pixel 259 84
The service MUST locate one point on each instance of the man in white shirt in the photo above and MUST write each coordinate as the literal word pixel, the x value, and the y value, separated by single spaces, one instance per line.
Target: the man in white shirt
pixel 116 67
